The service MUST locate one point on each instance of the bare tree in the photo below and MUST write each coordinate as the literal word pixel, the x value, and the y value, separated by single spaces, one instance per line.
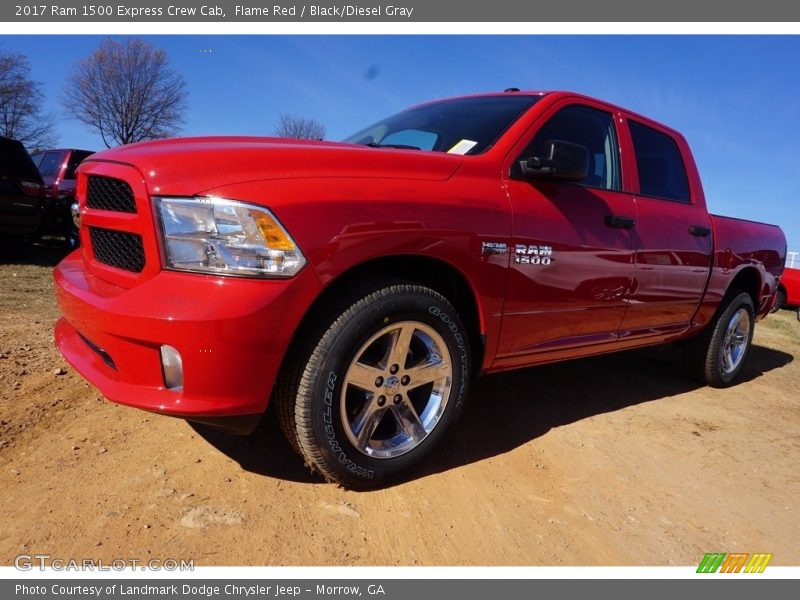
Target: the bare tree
pixel 21 99
pixel 127 92
pixel 300 128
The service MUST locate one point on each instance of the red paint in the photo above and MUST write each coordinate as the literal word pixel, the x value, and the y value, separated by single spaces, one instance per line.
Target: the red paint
pixel 790 282
pixel 606 289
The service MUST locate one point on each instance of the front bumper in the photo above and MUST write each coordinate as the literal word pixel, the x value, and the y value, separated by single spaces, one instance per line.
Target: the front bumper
pixel 231 333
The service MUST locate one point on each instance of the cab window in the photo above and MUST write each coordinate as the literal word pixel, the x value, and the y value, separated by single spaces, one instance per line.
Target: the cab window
pixel 662 173
pixel 588 127
pixel 74 161
pixel 51 164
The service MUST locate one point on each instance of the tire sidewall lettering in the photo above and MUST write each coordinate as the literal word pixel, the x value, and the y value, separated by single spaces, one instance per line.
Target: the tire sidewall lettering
pixel 459 338
pixel 328 401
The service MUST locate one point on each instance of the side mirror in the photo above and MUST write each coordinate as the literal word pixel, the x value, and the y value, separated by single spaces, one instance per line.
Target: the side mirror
pixel 562 161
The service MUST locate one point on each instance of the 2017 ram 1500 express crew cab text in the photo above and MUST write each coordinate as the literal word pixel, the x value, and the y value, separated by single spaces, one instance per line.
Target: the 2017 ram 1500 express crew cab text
pixel 361 285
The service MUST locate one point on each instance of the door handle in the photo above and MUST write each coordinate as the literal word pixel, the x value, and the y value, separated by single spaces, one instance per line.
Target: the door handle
pixel 699 230
pixel 620 222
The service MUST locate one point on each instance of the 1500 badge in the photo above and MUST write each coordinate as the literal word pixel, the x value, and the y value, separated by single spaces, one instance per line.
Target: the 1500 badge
pixel 525 254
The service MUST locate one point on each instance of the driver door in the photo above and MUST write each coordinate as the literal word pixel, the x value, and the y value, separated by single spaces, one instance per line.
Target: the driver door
pixel 572 249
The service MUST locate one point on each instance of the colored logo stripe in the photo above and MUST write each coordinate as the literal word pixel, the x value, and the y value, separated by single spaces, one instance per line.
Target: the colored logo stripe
pixel 711 562
pixel 734 563
pixel 758 563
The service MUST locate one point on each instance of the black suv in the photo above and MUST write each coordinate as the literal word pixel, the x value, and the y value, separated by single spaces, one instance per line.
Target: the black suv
pixel 22 193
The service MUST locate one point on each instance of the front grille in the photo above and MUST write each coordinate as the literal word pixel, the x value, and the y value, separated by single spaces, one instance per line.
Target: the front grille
pixel 118 249
pixel 106 193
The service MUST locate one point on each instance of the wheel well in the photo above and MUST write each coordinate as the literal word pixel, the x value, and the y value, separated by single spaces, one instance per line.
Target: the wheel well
pixel 747 280
pixel 423 270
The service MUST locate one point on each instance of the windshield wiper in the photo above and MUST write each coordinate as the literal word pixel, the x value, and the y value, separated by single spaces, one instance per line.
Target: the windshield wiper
pixel 400 146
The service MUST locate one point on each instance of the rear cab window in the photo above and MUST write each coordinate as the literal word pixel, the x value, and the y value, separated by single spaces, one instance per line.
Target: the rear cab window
pixel 50 164
pixel 662 172
pixel 75 158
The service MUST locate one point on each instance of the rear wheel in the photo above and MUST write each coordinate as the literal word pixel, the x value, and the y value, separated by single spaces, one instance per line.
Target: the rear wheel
pixel 379 386
pixel 717 355
pixel 780 300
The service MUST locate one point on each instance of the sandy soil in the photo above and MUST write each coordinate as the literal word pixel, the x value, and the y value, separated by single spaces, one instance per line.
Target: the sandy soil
pixel 605 461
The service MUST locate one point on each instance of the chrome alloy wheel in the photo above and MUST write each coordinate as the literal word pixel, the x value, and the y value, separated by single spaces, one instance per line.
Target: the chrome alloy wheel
pixel 737 336
pixel 396 389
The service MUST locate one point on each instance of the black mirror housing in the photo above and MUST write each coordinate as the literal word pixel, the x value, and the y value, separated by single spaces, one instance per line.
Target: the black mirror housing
pixel 562 161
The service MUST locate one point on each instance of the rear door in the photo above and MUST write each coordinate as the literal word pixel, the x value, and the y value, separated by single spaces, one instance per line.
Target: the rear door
pixel 674 240
pixel 66 186
pixel 572 248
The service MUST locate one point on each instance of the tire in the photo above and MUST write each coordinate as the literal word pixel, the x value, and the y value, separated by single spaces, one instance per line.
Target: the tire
pixel 72 233
pixel 716 356
pixel 360 404
pixel 72 240
pixel 780 300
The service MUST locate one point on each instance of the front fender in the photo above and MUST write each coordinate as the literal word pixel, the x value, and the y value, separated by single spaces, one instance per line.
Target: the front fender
pixel 340 224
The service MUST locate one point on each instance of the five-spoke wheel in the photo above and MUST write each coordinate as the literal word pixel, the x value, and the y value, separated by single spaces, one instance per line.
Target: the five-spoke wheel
pixel 396 389
pixel 377 385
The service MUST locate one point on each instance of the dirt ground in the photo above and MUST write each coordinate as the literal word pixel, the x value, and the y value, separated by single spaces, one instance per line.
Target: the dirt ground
pixel 617 460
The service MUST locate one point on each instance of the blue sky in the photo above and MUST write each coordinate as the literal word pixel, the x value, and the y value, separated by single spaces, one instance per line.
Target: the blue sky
pixel 734 97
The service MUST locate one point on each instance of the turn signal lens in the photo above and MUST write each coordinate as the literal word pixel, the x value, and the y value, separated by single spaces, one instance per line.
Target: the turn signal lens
pixel 272 232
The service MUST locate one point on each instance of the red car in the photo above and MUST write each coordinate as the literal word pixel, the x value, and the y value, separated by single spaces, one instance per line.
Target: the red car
pixel 361 285
pixel 788 289
pixel 57 168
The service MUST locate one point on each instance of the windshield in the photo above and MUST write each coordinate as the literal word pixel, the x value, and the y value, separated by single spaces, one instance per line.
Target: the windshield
pixel 51 164
pixel 458 126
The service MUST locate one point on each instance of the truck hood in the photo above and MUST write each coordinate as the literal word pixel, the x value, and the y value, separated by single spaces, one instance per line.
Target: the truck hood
pixel 191 166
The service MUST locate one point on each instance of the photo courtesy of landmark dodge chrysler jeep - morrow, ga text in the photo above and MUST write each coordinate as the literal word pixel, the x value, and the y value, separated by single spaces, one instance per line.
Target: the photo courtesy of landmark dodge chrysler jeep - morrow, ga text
pixel 360 285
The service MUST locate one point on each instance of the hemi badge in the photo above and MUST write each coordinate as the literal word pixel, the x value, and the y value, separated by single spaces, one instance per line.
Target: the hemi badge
pixel 488 248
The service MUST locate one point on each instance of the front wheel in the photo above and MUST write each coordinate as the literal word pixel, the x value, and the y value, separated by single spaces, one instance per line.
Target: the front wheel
pixel 380 386
pixel 717 355
pixel 72 235
pixel 72 238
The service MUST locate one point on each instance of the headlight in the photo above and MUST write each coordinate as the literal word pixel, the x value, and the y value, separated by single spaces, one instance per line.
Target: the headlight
pixel 225 237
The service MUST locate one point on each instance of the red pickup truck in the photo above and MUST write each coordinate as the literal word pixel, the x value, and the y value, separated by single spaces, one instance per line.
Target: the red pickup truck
pixel 57 168
pixel 361 285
